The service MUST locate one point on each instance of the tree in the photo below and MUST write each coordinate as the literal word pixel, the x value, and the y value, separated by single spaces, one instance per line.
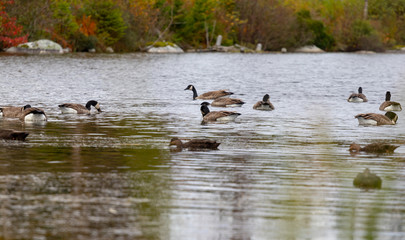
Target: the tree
pixel 10 31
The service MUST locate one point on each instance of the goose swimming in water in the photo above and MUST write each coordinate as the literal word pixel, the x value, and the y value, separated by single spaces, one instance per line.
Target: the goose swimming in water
pixel 208 95
pixel 216 115
pixel 265 104
pixel 375 119
pixel 76 108
pixel 373 148
pixel 12 112
pixel 33 114
pixel 389 105
pixel 227 102
pixel 195 144
pixel 357 97
pixel 8 134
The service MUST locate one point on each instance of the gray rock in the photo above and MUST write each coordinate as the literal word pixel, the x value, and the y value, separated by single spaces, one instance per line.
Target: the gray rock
pixel 109 50
pixel 166 49
pixel 42 46
pixel 309 49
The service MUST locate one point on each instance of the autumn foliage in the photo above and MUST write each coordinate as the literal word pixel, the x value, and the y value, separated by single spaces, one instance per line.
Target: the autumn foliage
pixel 10 31
pixel 129 25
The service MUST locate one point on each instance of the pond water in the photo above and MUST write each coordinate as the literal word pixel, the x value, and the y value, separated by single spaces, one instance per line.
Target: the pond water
pixel 283 174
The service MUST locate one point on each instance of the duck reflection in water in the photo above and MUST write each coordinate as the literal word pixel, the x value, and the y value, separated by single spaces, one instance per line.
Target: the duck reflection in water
pixel 194 144
pixel 367 180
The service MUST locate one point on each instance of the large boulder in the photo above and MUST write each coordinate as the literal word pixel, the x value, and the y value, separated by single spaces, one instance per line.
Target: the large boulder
pixel 42 46
pixel 169 48
pixel 309 49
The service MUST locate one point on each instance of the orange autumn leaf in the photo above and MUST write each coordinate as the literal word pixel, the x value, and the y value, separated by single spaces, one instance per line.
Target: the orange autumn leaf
pixel 87 26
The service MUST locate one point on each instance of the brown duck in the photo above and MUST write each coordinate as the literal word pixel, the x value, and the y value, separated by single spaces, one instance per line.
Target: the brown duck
pixel 195 144
pixel 390 118
pixel 7 134
pixel 214 116
pixel 373 148
pixel 227 102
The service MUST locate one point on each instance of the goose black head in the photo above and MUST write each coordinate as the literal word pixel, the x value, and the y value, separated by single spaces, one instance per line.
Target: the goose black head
pixel 388 96
pixel 189 87
pixel 93 103
pixel 391 115
pixel 266 98
pixel 26 106
pixel 360 90
pixel 204 108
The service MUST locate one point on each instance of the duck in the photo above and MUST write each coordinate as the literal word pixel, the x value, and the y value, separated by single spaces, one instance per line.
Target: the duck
pixel 9 134
pixel 358 97
pixel 389 105
pixel 216 115
pixel 227 102
pixel 33 114
pixel 375 119
pixel 195 144
pixel 373 148
pixel 13 112
pixel 75 108
pixel 208 95
pixel 265 104
pixel 366 179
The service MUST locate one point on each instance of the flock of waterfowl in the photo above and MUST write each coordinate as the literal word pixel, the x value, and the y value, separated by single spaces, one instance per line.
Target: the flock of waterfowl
pixel 28 113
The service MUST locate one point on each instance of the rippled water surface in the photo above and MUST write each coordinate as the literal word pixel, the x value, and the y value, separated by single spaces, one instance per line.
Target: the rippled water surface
pixel 285 174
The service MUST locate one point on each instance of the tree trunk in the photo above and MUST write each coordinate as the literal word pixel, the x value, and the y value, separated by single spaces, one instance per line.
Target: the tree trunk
pixel 365 10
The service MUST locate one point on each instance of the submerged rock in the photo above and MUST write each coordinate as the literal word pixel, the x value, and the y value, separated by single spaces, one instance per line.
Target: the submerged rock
pixel 42 46
pixel 367 180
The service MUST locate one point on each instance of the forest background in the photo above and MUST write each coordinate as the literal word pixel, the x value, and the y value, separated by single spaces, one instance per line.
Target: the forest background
pixel 132 25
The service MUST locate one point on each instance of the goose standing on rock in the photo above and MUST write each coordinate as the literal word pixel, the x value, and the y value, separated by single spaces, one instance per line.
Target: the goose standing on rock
pixel 357 97
pixel 389 105
pixel 265 104
pixel 216 115
pixel 195 144
pixel 76 108
pixel 12 112
pixel 208 95
pixel 227 102
pixel 375 119
pixel 7 134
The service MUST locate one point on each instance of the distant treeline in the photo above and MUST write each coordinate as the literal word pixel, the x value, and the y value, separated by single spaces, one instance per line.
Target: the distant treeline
pixel 131 25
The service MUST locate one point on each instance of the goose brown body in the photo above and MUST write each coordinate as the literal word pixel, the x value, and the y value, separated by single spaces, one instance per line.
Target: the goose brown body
pixel 195 144
pixel 208 95
pixel 227 102
pixel 13 112
pixel 8 134
pixel 390 118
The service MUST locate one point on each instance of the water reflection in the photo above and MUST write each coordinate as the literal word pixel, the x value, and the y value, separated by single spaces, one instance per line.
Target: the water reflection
pixel 282 174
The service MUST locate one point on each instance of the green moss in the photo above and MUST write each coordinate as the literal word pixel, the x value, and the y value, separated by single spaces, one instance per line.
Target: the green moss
pixel 160 44
pixel 23 46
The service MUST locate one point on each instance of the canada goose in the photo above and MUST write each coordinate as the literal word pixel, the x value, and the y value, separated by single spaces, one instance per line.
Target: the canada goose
pixel 227 102
pixel 357 97
pixel 390 118
pixel 33 114
pixel 78 108
pixel 367 179
pixel 12 135
pixel 13 112
pixel 389 105
pixel 373 148
pixel 216 115
pixel 208 95
pixel 265 104
pixel 195 144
